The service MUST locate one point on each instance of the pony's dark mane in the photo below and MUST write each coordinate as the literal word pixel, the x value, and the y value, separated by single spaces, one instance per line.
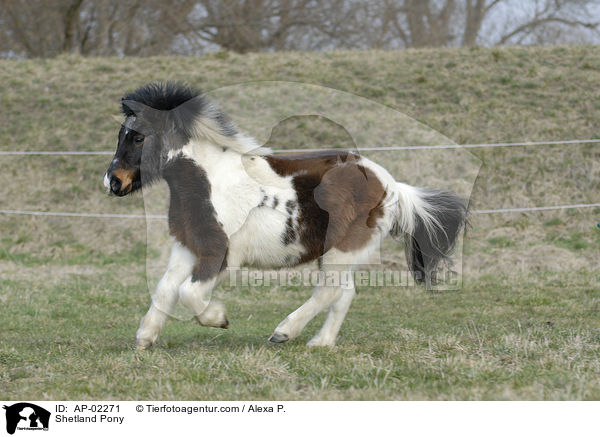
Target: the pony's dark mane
pixel 166 96
pixel 163 96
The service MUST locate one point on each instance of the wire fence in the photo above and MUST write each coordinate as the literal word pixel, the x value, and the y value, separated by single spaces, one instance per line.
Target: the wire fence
pixel 164 217
pixel 374 149
pixel 363 149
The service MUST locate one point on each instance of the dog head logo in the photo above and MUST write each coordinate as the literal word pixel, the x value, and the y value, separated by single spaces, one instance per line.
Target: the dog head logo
pixel 26 416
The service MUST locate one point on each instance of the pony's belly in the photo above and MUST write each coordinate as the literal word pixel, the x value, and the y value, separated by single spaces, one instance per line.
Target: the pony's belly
pixel 260 242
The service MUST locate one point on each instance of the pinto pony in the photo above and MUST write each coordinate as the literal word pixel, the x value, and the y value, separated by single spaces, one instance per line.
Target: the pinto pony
pixel 233 203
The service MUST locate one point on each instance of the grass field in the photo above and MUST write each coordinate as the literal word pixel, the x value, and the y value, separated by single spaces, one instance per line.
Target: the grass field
pixel 525 324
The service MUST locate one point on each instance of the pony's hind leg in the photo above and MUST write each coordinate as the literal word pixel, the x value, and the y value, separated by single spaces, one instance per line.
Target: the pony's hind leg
pixel 335 317
pixel 333 289
pixel 165 297
pixel 292 325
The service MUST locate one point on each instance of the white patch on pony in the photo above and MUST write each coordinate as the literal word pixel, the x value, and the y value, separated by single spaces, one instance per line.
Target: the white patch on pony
pixel 390 202
pixel 262 173
pixel 196 296
pixel 172 154
pixel 403 203
pixel 106 181
pixel 255 234
pixel 228 180
pixel 259 242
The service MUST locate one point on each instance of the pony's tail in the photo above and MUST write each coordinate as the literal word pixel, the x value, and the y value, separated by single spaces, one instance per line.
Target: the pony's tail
pixel 430 221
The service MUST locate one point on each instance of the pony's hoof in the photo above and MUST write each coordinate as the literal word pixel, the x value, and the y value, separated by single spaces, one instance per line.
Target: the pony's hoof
pixel 278 338
pixel 213 324
pixel 142 345
pixel 316 342
pixel 215 316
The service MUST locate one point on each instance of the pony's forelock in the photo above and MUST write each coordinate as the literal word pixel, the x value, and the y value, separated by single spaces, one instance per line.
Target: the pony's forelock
pixel 162 96
pixel 193 113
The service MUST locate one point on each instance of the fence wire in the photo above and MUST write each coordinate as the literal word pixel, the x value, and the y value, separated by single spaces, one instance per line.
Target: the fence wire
pixel 374 149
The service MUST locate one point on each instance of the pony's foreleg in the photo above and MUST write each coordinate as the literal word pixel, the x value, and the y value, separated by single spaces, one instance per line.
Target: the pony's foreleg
pixel 197 297
pixel 335 317
pixel 165 297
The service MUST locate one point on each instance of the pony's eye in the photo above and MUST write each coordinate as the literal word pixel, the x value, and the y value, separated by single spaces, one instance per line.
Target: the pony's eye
pixel 138 140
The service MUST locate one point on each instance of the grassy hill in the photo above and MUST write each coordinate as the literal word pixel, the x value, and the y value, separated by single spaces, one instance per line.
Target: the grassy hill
pixel 524 326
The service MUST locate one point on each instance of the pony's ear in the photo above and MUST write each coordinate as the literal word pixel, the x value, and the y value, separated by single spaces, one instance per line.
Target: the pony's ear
pixel 146 116
pixel 132 107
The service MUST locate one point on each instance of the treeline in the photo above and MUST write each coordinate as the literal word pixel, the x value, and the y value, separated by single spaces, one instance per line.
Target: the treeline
pixel 46 28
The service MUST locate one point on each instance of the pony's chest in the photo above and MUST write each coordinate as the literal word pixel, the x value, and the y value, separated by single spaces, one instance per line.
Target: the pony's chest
pixel 237 191
pixel 232 205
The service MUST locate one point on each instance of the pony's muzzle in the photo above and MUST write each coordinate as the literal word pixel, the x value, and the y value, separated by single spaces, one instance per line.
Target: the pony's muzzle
pixel 118 182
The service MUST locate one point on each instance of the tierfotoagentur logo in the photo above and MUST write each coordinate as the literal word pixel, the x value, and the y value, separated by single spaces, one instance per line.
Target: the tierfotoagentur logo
pixel 26 417
pixel 307 277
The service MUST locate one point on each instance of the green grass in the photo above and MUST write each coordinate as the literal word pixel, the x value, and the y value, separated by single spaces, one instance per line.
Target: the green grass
pixel 494 339
pixel 523 326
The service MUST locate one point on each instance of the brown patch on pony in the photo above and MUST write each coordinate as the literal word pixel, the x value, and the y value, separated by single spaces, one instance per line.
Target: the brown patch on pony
pixel 192 218
pixel 126 177
pixel 340 200
pixel 316 163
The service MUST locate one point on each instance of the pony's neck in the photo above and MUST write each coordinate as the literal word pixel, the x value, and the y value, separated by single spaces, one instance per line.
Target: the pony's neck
pixel 211 157
pixel 227 168
pixel 224 167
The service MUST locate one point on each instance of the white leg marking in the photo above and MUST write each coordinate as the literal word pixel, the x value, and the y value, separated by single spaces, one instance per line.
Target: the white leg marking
pixel 335 318
pixel 214 315
pixel 337 298
pixel 196 296
pixel 293 324
pixel 165 297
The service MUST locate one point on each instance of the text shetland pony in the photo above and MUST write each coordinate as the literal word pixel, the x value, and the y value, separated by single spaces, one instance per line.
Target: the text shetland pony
pixel 233 203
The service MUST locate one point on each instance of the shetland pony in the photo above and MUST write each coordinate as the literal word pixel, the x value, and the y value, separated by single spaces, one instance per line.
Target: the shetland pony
pixel 233 203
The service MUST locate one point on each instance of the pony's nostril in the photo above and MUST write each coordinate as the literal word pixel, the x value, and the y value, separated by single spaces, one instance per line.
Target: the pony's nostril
pixel 115 184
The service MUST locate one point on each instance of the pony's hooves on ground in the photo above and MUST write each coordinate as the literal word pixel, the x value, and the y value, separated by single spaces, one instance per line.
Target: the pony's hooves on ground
pixel 320 343
pixel 214 316
pixel 212 323
pixel 278 338
pixel 141 345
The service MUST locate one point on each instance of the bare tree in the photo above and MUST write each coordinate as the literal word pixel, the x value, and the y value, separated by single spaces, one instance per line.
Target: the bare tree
pixel 427 23
pixel 43 28
pixel 540 15
pixel 258 25
pixel 37 27
pixel 433 23
pixel 475 12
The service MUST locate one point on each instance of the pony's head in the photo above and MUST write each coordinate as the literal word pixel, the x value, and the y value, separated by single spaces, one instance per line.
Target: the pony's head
pixel 162 118
pixel 159 117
